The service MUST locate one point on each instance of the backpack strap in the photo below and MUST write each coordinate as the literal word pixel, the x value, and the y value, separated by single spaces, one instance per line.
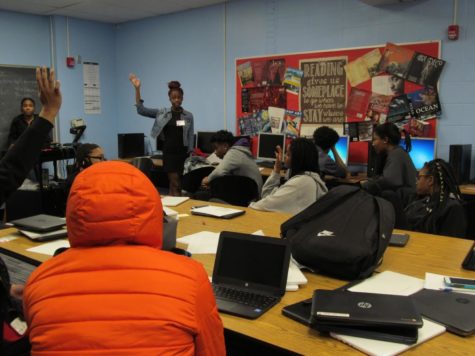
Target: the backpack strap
pixel 386 218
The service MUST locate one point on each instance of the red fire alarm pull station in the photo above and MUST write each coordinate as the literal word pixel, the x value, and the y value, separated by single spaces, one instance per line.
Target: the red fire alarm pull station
pixel 453 32
pixel 70 62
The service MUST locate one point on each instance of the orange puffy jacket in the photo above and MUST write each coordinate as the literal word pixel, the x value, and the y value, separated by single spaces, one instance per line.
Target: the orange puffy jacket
pixel 114 292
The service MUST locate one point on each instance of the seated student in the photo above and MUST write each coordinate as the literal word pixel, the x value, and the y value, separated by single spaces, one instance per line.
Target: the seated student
pixel 325 139
pixel 304 186
pixel 398 170
pixel 438 209
pixel 115 292
pixel 237 159
pixel 87 154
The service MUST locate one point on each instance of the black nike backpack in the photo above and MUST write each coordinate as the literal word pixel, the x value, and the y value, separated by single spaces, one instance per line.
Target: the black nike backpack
pixel 344 234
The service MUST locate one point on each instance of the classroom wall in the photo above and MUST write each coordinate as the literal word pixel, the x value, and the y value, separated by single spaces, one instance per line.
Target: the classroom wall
pixel 188 46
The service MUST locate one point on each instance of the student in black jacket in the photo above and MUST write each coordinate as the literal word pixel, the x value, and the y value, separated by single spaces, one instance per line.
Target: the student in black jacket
pixel 14 167
pixel 438 209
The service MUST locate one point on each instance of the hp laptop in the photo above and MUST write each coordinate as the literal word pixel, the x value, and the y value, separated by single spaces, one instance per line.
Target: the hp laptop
pixel 250 273
pixel 377 316
pixel 456 311
pixel 40 223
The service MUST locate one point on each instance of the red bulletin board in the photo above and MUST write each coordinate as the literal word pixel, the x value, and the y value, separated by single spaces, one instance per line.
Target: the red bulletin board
pixel 358 150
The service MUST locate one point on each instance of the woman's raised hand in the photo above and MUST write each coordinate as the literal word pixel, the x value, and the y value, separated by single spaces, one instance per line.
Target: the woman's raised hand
pixel 134 80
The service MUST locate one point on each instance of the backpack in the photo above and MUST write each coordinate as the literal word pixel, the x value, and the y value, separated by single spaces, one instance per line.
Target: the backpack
pixel 344 234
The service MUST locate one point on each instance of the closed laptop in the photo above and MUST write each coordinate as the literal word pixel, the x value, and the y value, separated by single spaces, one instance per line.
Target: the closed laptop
pixel 250 273
pixel 456 311
pixel 40 223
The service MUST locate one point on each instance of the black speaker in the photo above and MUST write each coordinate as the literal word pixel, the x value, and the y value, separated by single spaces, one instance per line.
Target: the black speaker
pixel 131 145
pixel 460 157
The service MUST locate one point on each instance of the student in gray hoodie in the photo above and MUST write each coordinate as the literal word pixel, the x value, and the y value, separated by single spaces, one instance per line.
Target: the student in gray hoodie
pixel 304 186
pixel 237 159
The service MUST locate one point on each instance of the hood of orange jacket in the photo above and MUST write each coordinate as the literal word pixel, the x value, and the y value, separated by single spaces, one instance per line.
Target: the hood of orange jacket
pixel 113 203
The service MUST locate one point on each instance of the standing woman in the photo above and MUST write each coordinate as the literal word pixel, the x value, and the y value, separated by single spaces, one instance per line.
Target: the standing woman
pixel 174 126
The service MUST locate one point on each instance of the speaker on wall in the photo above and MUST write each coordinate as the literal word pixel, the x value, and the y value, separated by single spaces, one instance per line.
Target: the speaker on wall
pixel 460 157
pixel 131 144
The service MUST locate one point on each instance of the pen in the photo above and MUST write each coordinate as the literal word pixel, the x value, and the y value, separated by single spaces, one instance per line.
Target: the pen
pixel 199 206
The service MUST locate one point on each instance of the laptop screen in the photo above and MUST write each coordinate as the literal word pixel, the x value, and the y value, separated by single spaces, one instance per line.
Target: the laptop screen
pixel 251 261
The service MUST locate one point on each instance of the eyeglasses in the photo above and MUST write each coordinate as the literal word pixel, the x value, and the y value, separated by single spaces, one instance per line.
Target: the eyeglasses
pixel 99 158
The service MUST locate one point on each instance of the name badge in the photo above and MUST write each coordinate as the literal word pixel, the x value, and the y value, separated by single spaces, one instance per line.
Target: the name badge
pixel 180 122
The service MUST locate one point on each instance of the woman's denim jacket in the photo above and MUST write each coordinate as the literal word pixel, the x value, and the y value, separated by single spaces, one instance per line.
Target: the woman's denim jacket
pixel 162 116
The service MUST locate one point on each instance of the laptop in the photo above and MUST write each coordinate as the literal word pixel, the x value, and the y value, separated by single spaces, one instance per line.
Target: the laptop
pixel 378 316
pixel 250 273
pixel 456 311
pixel 39 223
pixel 19 266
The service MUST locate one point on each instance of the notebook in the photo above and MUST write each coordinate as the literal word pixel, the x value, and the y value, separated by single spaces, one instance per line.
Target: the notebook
pixel 217 212
pixel 40 223
pixel 378 316
pixel 454 310
pixel 250 273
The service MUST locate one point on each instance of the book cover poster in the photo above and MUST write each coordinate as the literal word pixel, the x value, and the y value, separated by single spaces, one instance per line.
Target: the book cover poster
pixel 425 70
pixel 357 71
pixel 372 60
pixel 260 98
pixel 417 128
pixel 399 109
pixel 424 103
pixel 358 102
pixel 292 80
pixel 276 119
pixel 259 72
pixel 396 60
pixel 388 85
pixel 263 122
pixel 323 93
pixel 245 100
pixel 365 131
pixel 275 71
pixel 244 72
pixel 293 123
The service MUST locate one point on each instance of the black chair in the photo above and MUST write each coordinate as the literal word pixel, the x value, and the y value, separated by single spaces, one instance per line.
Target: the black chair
pixel 235 190
pixel 144 164
pixel 191 181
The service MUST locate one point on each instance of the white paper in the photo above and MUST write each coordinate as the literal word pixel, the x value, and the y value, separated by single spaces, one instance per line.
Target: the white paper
pixel 173 201
pixel 7 238
pixel 385 348
pixel 41 235
pixel 436 282
pixel 217 211
pixel 170 212
pixel 198 235
pixel 389 282
pixel 258 233
pixel 92 88
pixel 50 247
pixel 276 119
pixel 295 276
pixel 207 245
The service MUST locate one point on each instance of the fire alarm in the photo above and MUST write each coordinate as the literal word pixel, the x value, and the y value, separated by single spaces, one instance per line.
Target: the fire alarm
pixel 453 32
pixel 70 62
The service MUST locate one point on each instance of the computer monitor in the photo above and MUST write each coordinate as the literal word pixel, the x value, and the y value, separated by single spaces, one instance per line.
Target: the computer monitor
pixel 422 151
pixel 266 145
pixel 342 147
pixel 203 141
pixel 131 145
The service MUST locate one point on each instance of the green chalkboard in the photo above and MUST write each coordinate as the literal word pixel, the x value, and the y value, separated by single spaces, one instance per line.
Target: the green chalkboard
pixel 16 82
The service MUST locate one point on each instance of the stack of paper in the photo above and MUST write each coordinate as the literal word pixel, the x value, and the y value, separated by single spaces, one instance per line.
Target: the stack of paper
pixel 49 248
pixel 173 201
pixel 436 282
pixel 203 242
pixel 295 278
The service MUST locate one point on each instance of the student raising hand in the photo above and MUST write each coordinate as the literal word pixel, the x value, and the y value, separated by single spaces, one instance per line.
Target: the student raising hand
pixel 278 159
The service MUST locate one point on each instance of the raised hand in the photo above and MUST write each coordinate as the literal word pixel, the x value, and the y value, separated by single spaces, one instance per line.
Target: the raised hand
pixel 134 80
pixel 50 94
pixel 278 159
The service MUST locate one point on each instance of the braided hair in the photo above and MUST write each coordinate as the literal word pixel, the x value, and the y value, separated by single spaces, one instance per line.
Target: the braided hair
pixel 446 187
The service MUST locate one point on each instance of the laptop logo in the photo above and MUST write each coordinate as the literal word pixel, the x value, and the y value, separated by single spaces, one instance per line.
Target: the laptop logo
pixel 364 305
pixel 326 233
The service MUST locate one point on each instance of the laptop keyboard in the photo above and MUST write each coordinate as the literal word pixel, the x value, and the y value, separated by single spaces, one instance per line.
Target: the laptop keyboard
pixel 242 297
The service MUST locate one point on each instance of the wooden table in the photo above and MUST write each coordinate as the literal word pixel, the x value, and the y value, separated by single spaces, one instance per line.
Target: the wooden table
pixel 423 253
pixel 467 189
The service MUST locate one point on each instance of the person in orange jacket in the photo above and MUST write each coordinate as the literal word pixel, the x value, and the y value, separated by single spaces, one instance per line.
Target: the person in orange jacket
pixel 115 292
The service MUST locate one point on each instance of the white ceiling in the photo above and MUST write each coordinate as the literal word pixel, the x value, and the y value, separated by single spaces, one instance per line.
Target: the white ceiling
pixel 111 11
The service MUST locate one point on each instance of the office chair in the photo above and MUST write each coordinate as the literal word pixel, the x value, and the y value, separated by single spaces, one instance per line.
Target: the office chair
pixel 144 164
pixel 235 190
pixel 191 181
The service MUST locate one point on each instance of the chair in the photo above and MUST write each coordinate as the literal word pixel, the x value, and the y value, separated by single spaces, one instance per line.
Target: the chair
pixel 191 181
pixel 235 190
pixel 144 164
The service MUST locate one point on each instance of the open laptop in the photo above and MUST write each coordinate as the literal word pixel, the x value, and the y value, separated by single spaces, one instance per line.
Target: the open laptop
pixel 39 223
pixel 250 273
pixel 456 311
pixel 379 316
